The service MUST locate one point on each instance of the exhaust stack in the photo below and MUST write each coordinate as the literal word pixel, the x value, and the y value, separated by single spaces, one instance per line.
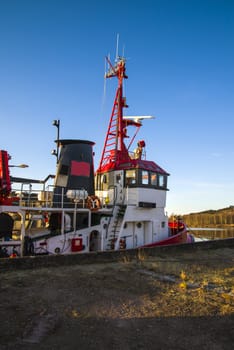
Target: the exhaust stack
pixel 75 169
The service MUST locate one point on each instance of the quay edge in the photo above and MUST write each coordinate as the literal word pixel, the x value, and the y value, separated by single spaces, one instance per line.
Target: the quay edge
pixel 173 251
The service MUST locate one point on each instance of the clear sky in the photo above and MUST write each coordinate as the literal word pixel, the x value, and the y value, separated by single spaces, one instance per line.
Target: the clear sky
pixel 180 63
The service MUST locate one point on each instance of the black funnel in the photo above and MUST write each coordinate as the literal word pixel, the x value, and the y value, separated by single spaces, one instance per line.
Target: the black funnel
pixel 75 169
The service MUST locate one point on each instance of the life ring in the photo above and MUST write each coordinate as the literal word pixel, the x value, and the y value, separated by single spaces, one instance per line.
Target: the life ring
pixel 93 203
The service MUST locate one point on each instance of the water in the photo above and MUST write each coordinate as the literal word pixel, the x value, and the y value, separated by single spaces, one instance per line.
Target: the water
pixel 212 233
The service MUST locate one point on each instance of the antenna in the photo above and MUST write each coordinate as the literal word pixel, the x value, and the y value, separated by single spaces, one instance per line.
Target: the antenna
pixel 114 150
pixel 138 117
pixel 104 87
pixel 117 48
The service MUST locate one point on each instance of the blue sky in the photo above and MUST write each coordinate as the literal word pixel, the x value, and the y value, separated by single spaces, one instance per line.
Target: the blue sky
pixel 180 58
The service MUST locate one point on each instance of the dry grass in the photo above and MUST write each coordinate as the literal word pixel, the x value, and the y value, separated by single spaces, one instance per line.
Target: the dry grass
pixel 192 288
pixel 52 307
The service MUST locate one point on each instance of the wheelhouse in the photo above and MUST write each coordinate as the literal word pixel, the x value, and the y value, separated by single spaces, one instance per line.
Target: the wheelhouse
pixel 132 178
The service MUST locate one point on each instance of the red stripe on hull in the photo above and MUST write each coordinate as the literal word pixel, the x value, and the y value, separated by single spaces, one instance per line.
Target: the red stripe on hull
pixel 179 238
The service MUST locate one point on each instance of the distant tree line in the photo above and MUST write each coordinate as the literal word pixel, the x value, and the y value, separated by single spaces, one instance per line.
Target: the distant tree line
pixel 210 218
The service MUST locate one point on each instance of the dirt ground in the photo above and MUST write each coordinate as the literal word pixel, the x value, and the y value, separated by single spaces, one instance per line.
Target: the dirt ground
pixel 164 302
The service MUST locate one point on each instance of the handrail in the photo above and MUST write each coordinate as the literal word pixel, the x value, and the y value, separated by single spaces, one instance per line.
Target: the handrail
pixel 27 196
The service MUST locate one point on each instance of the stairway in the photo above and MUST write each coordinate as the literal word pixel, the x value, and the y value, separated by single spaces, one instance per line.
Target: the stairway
pixel 115 225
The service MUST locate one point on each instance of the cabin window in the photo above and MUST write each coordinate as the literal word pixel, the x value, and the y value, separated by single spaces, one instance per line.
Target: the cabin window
pixel 153 179
pixel 104 181
pixel 161 181
pixel 144 177
pixel 130 177
pixel 118 178
pixel 97 182
pixel 111 179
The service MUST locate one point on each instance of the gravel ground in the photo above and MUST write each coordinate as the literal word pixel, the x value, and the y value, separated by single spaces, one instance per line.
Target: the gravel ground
pixel 182 302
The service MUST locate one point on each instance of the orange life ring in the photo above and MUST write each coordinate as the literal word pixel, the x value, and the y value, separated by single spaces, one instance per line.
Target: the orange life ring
pixel 93 203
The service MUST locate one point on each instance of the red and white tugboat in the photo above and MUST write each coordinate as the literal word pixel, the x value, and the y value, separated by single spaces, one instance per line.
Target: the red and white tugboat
pixel 122 206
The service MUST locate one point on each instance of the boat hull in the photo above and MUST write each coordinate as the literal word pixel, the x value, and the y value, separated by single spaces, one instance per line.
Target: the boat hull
pixel 179 238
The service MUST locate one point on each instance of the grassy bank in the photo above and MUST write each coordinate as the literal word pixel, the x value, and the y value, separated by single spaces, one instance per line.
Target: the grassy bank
pixel 167 301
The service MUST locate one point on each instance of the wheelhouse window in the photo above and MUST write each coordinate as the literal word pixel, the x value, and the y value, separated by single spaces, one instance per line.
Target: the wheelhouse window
pixel 130 177
pixel 153 179
pixel 162 181
pixel 148 178
pixel 103 181
pixel 144 177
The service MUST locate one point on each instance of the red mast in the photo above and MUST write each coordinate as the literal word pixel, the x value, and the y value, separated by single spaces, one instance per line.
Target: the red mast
pixel 115 151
